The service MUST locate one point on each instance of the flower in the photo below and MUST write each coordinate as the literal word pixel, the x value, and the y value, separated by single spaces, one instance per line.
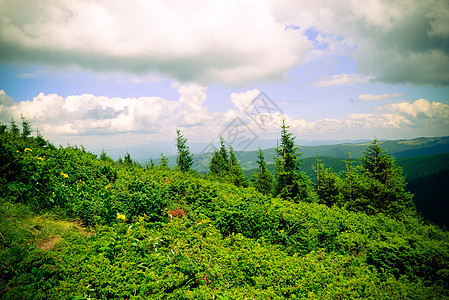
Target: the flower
pixel 64 174
pixel 202 222
pixel 40 158
pixel 27 149
pixel 108 187
pixel 121 217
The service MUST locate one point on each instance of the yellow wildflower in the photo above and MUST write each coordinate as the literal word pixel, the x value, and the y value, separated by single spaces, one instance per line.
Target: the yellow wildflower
pixel 108 187
pixel 202 222
pixel 27 149
pixel 121 217
pixel 40 158
pixel 64 174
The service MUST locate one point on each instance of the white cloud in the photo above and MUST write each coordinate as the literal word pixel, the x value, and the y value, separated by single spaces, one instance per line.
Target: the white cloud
pixel 422 108
pixel 231 42
pixel 243 101
pixel 342 79
pixel 125 122
pixel 202 40
pixel 383 97
pixel 403 41
pixel 25 75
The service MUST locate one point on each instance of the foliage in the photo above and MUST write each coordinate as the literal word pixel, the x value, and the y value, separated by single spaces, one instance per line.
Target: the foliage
pixel 225 166
pixel 328 185
pixel 263 178
pixel 290 183
pixel 184 159
pixel 155 233
pixel 235 170
pixel 219 162
pixel 163 161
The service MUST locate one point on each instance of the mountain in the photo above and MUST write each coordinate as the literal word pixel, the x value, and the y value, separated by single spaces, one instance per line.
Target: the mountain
pixel 427 177
pixel 398 148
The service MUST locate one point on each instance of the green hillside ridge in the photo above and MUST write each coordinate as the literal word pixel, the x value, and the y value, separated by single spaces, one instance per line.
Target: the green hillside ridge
pixel 74 226
pixel 399 148
pixel 427 177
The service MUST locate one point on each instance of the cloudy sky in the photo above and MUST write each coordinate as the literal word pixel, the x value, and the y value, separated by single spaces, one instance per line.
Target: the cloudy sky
pixel 109 74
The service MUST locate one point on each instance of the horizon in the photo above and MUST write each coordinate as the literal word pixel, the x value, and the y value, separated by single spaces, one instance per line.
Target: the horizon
pixel 109 75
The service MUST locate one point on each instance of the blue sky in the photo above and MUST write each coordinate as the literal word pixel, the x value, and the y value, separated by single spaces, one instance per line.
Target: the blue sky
pixel 125 75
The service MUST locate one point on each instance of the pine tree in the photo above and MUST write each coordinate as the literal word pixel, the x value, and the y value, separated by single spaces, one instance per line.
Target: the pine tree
pixel 26 127
pixel 328 185
pixel 354 189
pixel 386 188
pixel 219 163
pixel 40 139
pixel 184 159
pixel 237 177
pixel 263 178
pixel 14 129
pixel 127 159
pixel 163 161
pixel 151 164
pixel 290 184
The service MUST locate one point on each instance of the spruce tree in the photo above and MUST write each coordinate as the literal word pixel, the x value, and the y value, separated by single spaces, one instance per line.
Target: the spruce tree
pixel 14 129
pixel 237 177
pixel 219 163
pixel 127 159
pixel 290 184
pixel 386 188
pixel 163 161
pixel 184 160
pixel 263 178
pixel 26 127
pixel 328 185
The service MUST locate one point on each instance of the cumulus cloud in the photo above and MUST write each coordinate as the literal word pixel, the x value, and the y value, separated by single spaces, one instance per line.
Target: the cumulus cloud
pixel 342 79
pixel 383 97
pixel 203 41
pixel 422 108
pixel 233 42
pixel 118 121
pixel 404 41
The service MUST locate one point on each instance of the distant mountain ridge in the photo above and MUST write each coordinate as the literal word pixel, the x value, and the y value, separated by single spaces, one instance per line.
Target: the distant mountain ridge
pixel 398 148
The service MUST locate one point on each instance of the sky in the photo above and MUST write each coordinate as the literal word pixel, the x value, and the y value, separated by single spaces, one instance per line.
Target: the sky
pixel 126 74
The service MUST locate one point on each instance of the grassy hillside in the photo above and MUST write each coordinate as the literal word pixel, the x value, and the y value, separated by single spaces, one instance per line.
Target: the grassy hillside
pixel 76 227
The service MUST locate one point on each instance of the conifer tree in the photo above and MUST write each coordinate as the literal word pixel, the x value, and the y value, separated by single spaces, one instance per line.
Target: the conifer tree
pixel 184 159
pixel 14 129
pixel 386 189
pixel 287 167
pixel 151 164
pixel 26 127
pixel 328 185
pixel 163 161
pixel 236 174
pixel 127 159
pixel 219 163
pixel 263 178
pixel 40 139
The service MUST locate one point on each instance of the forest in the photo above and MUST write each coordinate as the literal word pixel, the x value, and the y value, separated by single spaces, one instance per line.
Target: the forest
pixel 74 225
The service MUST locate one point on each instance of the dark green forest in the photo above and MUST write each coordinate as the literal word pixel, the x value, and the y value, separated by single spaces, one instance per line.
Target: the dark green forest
pixel 427 177
pixel 75 225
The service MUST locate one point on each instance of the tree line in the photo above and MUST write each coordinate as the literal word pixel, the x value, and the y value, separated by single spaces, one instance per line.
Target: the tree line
pixel 376 185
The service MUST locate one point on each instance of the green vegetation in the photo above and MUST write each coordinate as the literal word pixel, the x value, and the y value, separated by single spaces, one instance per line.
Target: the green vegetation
pixel 76 227
pixel 263 181
pixel 226 168
pixel 291 184
pixel 184 159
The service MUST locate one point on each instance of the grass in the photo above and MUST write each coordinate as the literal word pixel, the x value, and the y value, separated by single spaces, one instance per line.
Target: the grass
pixel 22 231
